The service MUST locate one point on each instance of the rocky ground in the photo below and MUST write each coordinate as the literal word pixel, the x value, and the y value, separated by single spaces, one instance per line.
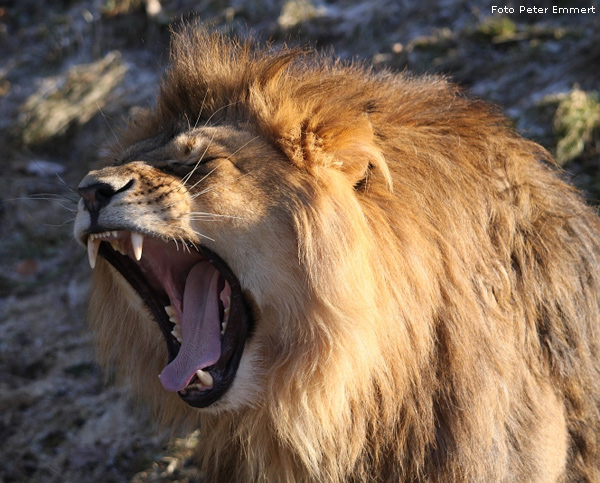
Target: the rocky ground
pixel 71 71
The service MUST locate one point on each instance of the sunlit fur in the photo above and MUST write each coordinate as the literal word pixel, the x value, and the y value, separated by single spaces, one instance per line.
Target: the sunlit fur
pixel 426 287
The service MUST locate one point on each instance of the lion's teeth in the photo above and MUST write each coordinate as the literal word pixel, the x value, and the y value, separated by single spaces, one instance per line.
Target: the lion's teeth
pixel 173 317
pixel 137 242
pixel 205 378
pixel 115 245
pixel 93 244
pixel 176 332
pixel 118 246
pixel 198 387
pixel 172 313
pixel 226 312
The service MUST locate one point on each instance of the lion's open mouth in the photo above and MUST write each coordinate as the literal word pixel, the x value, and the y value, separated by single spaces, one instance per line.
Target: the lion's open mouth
pixel 196 300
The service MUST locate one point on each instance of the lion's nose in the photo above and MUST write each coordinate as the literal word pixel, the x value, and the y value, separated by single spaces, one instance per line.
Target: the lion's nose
pixel 97 194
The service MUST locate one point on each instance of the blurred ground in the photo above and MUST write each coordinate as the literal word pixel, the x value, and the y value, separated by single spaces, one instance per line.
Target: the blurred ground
pixel 71 70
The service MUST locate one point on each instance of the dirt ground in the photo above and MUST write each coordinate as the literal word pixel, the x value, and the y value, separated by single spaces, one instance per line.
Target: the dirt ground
pixel 70 72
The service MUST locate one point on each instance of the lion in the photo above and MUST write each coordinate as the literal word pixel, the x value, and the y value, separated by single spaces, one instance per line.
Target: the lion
pixel 339 274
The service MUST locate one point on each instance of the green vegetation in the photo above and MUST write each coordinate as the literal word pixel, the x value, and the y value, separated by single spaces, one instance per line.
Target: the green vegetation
pixel 495 28
pixel 576 123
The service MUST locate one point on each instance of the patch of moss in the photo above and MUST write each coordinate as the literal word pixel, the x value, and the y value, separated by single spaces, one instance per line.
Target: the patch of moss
pixel 576 124
pixel 495 27
pixel 295 12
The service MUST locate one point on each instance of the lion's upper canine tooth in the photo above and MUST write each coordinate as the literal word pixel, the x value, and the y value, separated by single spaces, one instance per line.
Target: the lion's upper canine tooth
pixel 93 244
pixel 205 378
pixel 137 242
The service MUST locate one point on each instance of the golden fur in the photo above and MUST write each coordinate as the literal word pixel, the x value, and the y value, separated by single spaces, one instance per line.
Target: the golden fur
pixel 426 288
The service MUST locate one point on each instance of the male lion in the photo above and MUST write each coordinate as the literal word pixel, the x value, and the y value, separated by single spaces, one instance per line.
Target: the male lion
pixel 358 276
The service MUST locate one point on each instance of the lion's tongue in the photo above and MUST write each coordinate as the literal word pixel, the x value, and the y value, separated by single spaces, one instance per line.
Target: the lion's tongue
pixel 200 328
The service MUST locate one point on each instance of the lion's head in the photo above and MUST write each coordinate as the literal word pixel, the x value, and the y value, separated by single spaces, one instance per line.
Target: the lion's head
pixel 328 269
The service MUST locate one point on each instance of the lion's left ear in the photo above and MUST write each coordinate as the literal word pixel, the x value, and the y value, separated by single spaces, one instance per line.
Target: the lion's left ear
pixel 341 143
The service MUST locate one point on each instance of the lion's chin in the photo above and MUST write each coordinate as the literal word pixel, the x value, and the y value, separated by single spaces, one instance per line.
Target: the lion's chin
pixel 197 301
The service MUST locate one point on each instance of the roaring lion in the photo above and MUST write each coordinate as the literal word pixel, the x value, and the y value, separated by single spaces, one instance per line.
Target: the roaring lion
pixel 343 275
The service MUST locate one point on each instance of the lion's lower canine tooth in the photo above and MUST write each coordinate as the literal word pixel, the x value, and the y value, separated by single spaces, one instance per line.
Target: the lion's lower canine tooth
pixel 137 242
pixel 205 378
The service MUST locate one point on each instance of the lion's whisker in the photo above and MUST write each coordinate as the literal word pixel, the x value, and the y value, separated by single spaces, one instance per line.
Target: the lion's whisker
pixel 242 147
pixel 201 235
pixel 184 245
pixel 199 216
pixel 53 198
pixel 218 110
pixel 208 189
pixel 176 202
pixel 66 185
pixel 64 223
pixel 187 177
pixel 109 126
pixel 200 110
pixel 218 215
pixel 203 178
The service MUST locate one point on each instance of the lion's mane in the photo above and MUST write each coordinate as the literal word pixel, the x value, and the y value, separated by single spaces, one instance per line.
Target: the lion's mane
pixel 445 324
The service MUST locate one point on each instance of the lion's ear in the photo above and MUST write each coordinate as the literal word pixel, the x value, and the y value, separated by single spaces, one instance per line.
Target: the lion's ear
pixel 344 144
pixel 354 151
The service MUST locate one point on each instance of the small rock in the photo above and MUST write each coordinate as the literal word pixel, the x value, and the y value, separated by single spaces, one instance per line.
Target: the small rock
pixel 27 267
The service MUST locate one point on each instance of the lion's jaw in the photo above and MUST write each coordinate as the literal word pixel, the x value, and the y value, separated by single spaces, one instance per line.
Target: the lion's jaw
pixel 176 240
